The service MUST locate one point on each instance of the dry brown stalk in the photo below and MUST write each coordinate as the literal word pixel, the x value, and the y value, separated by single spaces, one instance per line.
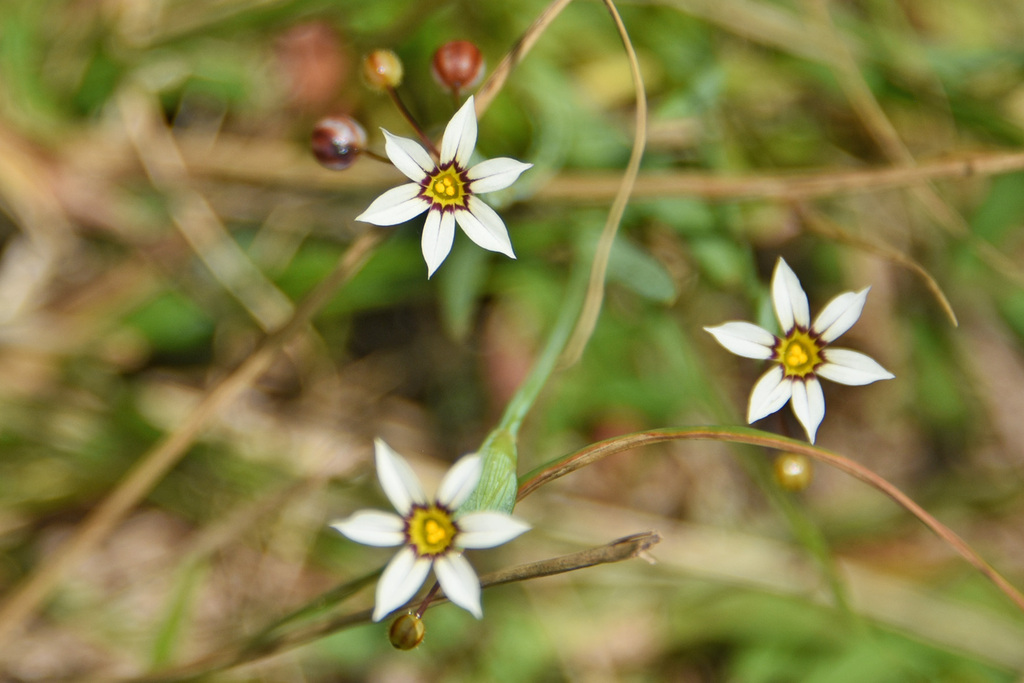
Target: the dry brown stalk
pixel 154 464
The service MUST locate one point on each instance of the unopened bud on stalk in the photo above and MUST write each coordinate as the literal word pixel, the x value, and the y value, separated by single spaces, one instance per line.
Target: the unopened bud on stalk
pixel 406 631
pixel 458 65
pixel 337 142
pixel 382 70
pixel 793 471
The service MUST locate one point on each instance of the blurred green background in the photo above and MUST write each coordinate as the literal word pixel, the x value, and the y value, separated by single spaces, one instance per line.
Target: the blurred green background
pixel 160 211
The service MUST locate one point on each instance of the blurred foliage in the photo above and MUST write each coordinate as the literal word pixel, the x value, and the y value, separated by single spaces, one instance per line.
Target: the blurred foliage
pixel 112 328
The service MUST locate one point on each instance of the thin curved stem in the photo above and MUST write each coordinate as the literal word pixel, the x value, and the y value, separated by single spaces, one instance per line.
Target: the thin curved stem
pixel 594 452
pixel 595 290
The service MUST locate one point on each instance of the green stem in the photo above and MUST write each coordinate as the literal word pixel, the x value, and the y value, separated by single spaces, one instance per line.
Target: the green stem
pixel 498 482
pixel 528 391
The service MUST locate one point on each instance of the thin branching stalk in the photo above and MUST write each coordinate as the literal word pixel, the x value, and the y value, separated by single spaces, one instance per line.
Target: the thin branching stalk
pixel 268 642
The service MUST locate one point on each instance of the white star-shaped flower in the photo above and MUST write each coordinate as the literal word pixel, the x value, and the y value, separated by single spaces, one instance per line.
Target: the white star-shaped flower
pixel 803 353
pixel 433 533
pixel 446 190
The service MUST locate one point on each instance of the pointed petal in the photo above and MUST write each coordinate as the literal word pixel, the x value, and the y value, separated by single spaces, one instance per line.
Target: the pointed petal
pixel 809 405
pixel 401 579
pixel 486 529
pixel 408 157
pixel 745 339
pixel 851 367
pixel 460 481
pixel 460 583
pixel 395 206
pixel 485 227
pixel 769 394
pixel 788 297
pixel 839 315
pixel 397 479
pixel 460 136
pixel 437 238
pixel 373 527
pixel 494 174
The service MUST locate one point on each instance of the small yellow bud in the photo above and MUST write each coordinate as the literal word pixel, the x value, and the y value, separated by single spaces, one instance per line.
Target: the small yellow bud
pixel 382 69
pixel 406 632
pixel 793 471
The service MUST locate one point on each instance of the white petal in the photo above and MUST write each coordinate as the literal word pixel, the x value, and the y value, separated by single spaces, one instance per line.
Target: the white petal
pixel 395 206
pixel 488 528
pixel 851 367
pixel 373 527
pixel 839 315
pixel 788 298
pixel 401 579
pixel 437 238
pixel 745 339
pixel 769 394
pixel 397 479
pixel 460 583
pixel 494 174
pixel 485 227
pixel 809 405
pixel 460 481
pixel 408 157
pixel 460 136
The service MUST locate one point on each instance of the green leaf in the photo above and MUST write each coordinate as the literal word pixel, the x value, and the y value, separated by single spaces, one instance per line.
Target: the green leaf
pixel 639 271
pixel 498 484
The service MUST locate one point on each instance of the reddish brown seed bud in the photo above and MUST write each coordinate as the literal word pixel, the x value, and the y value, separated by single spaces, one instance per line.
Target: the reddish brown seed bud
pixel 793 472
pixel 406 631
pixel 458 65
pixel 382 69
pixel 337 142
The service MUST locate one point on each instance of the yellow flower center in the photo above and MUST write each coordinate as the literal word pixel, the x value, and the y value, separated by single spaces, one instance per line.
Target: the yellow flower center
pixel 446 188
pixel 799 353
pixel 430 530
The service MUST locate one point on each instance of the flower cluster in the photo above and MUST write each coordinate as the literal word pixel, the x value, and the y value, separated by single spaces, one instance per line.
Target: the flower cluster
pixel 432 533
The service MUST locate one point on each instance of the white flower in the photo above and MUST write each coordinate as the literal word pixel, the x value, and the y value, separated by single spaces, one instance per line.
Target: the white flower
pixel 446 190
pixel 433 533
pixel 803 353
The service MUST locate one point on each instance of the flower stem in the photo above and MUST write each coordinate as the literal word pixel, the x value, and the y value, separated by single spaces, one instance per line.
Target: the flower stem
pixel 427 142
pixel 526 395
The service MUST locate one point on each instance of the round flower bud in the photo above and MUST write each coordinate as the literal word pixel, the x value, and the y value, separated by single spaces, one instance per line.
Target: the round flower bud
pixel 337 141
pixel 406 631
pixel 793 472
pixel 458 65
pixel 382 69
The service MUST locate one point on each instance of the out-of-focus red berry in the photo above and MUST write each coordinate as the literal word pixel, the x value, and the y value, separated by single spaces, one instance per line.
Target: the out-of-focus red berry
pixel 314 64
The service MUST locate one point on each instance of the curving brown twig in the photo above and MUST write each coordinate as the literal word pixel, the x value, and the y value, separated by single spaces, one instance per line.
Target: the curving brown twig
pixel 594 452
